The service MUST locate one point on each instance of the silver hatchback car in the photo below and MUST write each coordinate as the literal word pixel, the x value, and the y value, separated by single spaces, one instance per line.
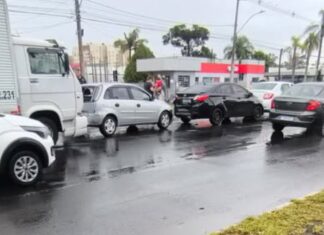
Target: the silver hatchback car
pixel 110 105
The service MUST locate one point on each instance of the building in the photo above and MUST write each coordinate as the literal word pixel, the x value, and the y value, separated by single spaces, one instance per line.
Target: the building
pixel 100 60
pixel 182 72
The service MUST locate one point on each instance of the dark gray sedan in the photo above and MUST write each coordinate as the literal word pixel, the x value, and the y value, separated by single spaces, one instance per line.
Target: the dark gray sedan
pixel 301 106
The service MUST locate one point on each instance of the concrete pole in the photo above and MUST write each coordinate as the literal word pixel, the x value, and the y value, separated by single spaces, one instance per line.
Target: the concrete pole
pixel 320 46
pixel 79 34
pixel 234 41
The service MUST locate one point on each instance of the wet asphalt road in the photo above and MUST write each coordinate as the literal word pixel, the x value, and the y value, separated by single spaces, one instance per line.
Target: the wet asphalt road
pixel 192 179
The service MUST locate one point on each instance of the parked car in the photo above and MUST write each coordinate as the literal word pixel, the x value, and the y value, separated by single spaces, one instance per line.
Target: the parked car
pixel 301 106
pixel 108 106
pixel 267 91
pixel 25 149
pixel 217 102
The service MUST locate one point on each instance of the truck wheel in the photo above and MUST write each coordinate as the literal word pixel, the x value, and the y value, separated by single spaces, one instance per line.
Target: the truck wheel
pixel 216 117
pixel 185 120
pixel 25 168
pixel 108 126
pixel 51 126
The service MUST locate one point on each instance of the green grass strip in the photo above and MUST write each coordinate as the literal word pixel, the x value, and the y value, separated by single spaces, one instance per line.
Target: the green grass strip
pixel 304 217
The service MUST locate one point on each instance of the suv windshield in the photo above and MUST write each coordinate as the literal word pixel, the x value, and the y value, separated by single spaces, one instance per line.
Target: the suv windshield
pixel 263 86
pixel 304 91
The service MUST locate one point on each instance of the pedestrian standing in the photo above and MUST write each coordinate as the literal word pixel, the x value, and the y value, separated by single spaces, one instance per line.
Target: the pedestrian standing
pixel 148 85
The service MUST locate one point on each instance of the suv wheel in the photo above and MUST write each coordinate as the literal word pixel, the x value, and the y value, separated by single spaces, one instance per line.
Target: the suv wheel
pixel 108 126
pixel 164 120
pixel 25 168
pixel 217 117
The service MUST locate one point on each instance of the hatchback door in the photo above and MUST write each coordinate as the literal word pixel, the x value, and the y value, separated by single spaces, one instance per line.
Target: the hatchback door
pixel 147 110
pixel 118 98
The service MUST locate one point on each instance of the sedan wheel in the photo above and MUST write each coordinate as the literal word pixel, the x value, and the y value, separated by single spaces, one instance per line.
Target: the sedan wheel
pixel 25 168
pixel 217 117
pixel 165 120
pixel 257 113
pixel 108 126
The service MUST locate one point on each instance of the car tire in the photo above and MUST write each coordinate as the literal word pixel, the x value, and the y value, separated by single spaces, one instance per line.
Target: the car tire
pixel 217 117
pixel 50 124
pixel 164 120
pixel 108 126
pixel 317 128
pixel 25 168
pixel 185 120
pixel 257 113
pixel 277 127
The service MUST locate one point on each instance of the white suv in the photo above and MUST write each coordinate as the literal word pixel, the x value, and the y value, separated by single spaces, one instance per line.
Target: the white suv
pixel 25 149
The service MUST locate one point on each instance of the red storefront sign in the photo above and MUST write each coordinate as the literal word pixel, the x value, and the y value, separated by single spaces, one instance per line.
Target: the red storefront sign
pixel 226 68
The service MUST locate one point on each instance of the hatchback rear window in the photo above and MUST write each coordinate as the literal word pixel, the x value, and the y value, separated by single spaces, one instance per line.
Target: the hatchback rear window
pixel 263 86
pixel 304 91
pixel 90 93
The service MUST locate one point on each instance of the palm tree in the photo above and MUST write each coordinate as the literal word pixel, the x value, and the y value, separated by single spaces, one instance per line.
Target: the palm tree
pixel 295 46
pixel 243 49
pixel 130 43
pixel 317 29
pixel 310 44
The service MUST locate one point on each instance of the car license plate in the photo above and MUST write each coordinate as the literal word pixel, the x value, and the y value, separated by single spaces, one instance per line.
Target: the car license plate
pixel 286 118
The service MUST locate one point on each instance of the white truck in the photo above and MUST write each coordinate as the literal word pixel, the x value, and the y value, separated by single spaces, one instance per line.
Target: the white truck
pixel 36 82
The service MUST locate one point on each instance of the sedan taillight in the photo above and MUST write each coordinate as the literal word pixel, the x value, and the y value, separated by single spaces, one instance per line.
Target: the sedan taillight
pixel 201 98
pixel 273 104
pixel 268 96
pixel 313 105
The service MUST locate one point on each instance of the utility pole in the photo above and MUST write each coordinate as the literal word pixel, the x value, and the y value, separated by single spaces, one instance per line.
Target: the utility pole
pixel 320 47
pixel 234 41
pixel 80 34
pixel 279 69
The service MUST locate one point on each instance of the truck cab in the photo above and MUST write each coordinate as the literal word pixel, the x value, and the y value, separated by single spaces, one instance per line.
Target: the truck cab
pixel 48 89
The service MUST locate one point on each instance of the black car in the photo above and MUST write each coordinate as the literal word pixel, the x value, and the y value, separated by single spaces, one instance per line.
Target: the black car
pixel 301 106
pixel 217 102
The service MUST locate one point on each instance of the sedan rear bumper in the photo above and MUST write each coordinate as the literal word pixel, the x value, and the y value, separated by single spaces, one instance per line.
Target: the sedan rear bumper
pixel 289 118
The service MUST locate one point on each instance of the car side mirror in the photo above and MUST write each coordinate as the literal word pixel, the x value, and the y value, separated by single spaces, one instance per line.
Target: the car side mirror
pixel 66 63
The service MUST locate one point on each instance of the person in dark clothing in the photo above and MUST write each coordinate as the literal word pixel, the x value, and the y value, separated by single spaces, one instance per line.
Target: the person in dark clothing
pixel 148 85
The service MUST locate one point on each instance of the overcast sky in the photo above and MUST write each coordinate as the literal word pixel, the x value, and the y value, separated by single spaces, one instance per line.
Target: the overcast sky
pixel 268 31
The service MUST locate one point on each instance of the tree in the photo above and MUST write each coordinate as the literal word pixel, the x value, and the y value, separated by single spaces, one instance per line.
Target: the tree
pixel 243 49
pixel 186 38
pixel 296 44
pixel 270 59
pixel 204 52
pixel 310 44
pixel 131 74
pixel 130 43
pixel 317 29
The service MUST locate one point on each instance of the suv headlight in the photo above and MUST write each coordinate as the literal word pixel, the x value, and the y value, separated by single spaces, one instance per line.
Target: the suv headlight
pixel 41 131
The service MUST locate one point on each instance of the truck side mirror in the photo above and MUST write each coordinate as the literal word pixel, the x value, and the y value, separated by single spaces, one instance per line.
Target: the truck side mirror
pixel 66 63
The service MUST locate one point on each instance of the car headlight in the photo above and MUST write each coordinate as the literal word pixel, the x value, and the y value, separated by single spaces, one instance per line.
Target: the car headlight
pixel 43 132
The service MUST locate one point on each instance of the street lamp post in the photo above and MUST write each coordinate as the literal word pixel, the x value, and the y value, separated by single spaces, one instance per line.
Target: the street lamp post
pixel 235 36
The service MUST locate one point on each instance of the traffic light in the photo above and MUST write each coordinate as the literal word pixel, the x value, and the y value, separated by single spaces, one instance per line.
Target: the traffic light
pixel 115 75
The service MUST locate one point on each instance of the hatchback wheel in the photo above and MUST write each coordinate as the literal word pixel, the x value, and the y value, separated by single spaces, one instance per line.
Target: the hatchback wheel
pixel 164 120
pixel 217 117
pixel 25 168
pixel 108 126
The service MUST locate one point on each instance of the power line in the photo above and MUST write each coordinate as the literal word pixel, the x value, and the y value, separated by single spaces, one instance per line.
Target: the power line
pixel 280 10
pixel 128 13
pixel 46 27
pixel 41 13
